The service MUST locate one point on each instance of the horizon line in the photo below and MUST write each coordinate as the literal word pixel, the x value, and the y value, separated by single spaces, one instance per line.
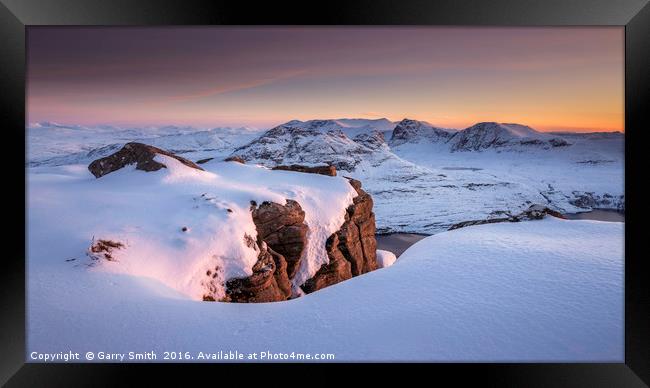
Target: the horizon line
pixel 549 129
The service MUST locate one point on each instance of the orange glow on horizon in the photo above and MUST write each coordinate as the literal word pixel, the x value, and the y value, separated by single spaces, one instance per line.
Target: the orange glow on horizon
pixel 549 78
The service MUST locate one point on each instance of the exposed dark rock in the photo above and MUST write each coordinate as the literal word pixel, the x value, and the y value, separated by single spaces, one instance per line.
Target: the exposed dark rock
pixel 235 159
pixel 357 235
pixel 355 243
pixel 323 170
pixel 588 200
pixel 283 228
pixel 537 212
pixel 337 270
pixel 282 237
pixel 409 130
pixel 373 140
pixel 103 249
pixel 141 155
pixel 558 142
pixel 531 142
pixel 534 212
pixel 202 161
pixel 268 283
pixel 313 142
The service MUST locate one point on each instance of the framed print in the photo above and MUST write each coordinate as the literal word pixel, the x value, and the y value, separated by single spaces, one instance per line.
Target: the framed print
pixel 449 184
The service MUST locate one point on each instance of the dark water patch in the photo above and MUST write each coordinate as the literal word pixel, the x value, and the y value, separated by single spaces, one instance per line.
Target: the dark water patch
pixel 462 168
pixel 398 242
pixel 598 215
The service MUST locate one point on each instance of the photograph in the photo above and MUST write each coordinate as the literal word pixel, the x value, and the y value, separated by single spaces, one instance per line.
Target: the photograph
pixel 325 194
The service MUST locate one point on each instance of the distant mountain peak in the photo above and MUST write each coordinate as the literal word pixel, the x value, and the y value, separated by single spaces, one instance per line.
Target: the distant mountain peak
pixel 343 143
pixel 415 131
pixel 490 134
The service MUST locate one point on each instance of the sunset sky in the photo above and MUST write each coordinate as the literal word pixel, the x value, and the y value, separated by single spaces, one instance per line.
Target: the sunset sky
pixel 548 78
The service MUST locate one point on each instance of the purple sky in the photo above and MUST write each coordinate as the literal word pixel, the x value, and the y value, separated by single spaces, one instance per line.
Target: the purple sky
pixel 549 78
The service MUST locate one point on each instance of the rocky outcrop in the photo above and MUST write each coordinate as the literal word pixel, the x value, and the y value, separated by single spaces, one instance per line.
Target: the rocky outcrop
pixel 558 142
pixel 141 155
pixel 228 159
pixel 337 270
pixel 590 200
pixel 235 159
pixel 534 212
pixel 282 237
pixel 203 161
pixel 322 170
pixel 268 283
pixel 357 235
pixel 354 243
pixel 283 228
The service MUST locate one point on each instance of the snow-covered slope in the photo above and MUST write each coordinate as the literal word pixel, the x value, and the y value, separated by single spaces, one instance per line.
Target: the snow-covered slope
pixel 423 179
pixel 549 290
pixel 318 142
pixel 177 223
pixel 497 135
pixel 477 185
pixel 447 186
pixel 413 131
pixel 351 127
pixel 57 144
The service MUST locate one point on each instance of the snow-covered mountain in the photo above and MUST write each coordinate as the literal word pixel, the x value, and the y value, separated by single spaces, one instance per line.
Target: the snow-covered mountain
pixel 497 135
pixel 181 229
pixel 335 142
pixel 422 178
pixel 478 137
pixel 56 144
pixel 351 127
pixel 414 131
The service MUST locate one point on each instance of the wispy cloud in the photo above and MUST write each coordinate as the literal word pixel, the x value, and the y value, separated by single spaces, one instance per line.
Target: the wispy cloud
pixel 246 85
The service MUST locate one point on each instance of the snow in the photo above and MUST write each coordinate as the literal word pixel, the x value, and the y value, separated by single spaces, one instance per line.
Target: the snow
pixel 58 144
pixel 146 211
pixel 549 290
pixel 385 258
pixel 350 127
pixel 492 135
pixel 420 186
pixel 451 187
pixel 414 131
pixel 438 179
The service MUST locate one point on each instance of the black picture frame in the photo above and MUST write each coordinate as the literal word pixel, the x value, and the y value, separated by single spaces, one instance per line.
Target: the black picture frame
pixel 16 15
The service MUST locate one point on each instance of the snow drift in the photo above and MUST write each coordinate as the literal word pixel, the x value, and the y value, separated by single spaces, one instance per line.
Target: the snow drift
pixel 549 290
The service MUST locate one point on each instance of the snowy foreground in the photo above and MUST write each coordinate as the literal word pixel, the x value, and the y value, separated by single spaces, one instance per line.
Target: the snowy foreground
pixel 549 290
pixel 177 223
